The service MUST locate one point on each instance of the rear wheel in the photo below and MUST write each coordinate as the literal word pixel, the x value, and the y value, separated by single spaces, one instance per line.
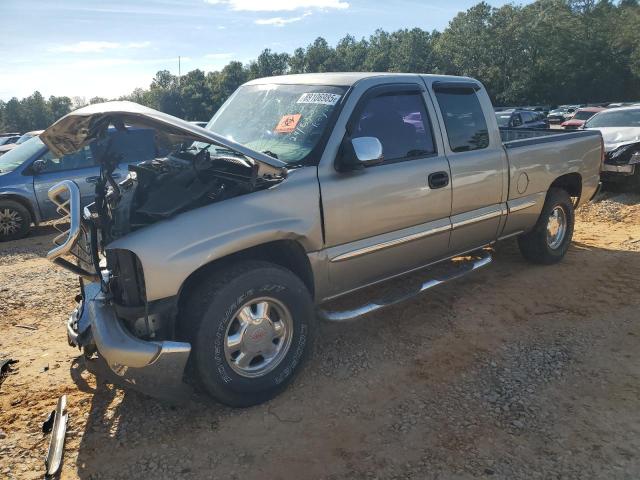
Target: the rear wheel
pixel 15 220
pixel 549 240
pixel 250 327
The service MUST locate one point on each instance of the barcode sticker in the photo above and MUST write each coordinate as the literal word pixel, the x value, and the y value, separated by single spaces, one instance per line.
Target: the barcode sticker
pixel 319 98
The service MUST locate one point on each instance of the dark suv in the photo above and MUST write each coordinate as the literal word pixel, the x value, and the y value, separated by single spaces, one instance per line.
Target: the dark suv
pixel 521 119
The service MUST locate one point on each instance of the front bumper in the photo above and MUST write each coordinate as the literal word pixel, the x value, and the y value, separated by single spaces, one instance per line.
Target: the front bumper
pixel 155 368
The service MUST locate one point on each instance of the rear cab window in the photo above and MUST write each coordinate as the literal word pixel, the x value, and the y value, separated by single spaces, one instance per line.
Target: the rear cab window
pixel 463 118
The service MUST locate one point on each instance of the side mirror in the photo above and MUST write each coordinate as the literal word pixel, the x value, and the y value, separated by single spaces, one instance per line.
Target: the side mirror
pixel 360 152
pixel 38 166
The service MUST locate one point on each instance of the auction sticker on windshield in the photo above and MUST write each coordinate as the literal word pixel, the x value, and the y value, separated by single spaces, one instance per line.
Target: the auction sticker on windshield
pixel 288 123
pixel 319 98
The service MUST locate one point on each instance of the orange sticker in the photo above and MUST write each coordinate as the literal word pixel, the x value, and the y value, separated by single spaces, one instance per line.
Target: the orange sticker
pixel 288 123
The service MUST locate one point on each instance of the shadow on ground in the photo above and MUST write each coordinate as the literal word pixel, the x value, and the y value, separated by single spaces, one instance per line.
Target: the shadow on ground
pixel 401 394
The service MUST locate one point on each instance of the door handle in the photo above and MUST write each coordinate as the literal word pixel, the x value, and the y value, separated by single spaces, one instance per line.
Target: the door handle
pixel 438 180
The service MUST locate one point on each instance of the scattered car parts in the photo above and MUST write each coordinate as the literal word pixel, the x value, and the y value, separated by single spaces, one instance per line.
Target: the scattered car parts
pixel 5 367
pixel 56 444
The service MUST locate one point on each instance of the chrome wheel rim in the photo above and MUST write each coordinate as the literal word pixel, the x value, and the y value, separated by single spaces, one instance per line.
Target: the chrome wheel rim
pixel 258 337
pixel 10 221
pixel 556 227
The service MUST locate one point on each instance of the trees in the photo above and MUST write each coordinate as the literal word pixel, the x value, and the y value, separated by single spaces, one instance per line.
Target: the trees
pixel 269 64
pixel 545 52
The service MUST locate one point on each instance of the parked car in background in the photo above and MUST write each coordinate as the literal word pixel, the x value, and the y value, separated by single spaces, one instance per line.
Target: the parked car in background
pixel 521 119
pixel 27 173
pixel 8 140
pixel 27 136
pixel 562 113
pixel 218 254
pixel 539 108
pixel 621 104
pixel 620 129
pixel 580 117
pixel 556 115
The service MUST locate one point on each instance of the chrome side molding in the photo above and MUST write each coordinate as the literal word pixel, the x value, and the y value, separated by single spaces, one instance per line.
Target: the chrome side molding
pixel 391 243
pixel 467 267
pixel 69 209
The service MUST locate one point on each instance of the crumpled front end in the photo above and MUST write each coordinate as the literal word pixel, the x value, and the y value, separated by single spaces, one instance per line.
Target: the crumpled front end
pixel 153 367
pixel 621 162
pixel 124 338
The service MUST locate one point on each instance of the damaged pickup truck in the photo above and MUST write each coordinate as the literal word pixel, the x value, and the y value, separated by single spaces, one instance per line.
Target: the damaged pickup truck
pixel 210 265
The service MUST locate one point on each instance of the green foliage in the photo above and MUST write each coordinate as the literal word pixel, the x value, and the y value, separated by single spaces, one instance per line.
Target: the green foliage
pixel 546 52
pixel 32 112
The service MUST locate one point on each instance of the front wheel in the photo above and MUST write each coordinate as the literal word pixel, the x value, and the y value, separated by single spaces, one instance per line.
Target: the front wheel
pixel 251 327
pixel 549 240
pixel 15 220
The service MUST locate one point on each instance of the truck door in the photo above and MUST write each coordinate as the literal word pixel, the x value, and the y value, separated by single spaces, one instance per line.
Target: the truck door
pixel 478 164
pixel 389 218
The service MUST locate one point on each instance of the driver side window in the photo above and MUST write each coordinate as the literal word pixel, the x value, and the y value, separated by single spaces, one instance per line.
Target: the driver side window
pixel 80 159
pixel 400 122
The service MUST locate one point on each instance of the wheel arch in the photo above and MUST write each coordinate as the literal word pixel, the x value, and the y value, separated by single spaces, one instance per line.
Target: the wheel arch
pixel 25 202
pixel 571 183
pixel 289 254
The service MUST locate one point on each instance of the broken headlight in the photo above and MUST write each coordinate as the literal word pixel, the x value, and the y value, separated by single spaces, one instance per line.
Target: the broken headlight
pixel 626 154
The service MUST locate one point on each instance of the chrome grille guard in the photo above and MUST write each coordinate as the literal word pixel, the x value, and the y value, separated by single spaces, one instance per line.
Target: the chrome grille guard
pixel 70 213
pixel 69 210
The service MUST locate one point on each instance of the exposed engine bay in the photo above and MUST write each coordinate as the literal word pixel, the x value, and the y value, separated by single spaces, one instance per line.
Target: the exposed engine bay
pixel 190 177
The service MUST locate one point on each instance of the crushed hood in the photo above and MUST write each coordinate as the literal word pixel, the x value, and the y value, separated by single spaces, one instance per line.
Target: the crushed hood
pixel 615 137
pixel 80 127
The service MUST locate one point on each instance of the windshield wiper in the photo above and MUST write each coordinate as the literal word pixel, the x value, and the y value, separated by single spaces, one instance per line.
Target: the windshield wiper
pixel 270 153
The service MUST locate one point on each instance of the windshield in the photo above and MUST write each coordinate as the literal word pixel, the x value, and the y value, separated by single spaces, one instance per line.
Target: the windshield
pixel 284 121
pixel 503 120
pixel 583 115
pixel 619 118
pixel 16 157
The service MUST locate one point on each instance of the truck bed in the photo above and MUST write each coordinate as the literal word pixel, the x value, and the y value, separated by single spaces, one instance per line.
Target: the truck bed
pixel 520 137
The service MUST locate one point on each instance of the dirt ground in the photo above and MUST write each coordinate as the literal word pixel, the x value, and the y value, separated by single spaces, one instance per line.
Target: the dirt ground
pixel 516 371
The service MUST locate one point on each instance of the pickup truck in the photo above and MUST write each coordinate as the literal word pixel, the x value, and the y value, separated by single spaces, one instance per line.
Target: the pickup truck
pixel 211 265
pixel 28 171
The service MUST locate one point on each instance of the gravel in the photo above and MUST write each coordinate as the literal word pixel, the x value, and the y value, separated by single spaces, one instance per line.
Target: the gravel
pixel 516 372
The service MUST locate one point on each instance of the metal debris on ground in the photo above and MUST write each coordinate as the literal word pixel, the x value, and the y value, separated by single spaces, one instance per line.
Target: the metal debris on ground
pixel 5 367
pixel 27 327
pixel 47 425
pixel 56 444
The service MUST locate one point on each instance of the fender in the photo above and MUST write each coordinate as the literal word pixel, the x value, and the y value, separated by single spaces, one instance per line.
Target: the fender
pixel 198 237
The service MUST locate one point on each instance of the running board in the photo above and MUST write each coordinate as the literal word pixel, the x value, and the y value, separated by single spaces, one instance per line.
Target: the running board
pixel 467 267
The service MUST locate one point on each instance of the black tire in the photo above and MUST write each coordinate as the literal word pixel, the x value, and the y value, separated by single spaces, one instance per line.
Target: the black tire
pixel 15 220
pixel 534 245
pixel 211 310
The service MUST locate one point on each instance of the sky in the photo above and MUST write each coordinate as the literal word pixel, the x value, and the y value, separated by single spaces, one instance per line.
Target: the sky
pixel 107 48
